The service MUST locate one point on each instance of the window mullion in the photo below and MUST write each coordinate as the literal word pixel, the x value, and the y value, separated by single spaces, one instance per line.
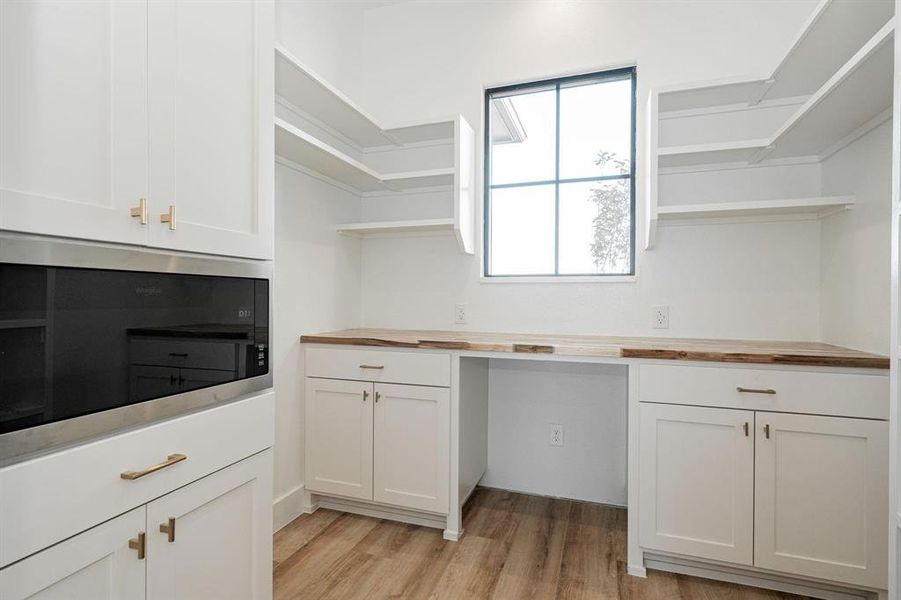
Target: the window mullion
pixel 557 188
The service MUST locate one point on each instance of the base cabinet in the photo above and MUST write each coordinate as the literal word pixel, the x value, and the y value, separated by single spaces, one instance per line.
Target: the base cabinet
pixel 798 494
pixel 697 482
pixel 209 539
pixel 97 564
pixel 382 442
pixel 821 497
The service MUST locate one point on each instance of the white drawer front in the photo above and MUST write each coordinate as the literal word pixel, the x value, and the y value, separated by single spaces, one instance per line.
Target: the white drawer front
pixel 418 368
pixel 50 498
pixel 864 395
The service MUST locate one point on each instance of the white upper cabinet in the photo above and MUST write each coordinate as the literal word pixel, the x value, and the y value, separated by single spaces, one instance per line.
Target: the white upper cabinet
pixel 164 107
pixel 211 92
pixel 73 118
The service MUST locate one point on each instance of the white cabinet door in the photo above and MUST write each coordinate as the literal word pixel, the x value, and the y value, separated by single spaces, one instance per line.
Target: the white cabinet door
pixel 211 103
pixel 95 565
pixel 213 538
pixel 697 481
pixel 412 446
pixel 73 118
pixel 339 437
pixel 822 497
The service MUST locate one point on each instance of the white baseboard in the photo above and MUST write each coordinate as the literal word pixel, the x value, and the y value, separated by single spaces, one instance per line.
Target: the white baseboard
pixel 367 509
pixel 287 507
pixel 755 578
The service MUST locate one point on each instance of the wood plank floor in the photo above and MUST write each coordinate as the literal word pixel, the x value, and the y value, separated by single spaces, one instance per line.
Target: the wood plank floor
pixel 515 547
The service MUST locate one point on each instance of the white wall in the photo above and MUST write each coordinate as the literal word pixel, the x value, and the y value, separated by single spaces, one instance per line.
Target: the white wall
pixel 588 400
pixel 428 59
pixel 317 272
pixel 855 261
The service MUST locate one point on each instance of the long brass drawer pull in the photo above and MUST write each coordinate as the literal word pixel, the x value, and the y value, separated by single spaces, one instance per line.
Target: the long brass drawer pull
pixel 745 390
pixel 169 528
pixel 140 544
pixel 377 367
pixel 170 460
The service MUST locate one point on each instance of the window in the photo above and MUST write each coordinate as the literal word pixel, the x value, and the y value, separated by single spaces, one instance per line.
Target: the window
pixel 560 177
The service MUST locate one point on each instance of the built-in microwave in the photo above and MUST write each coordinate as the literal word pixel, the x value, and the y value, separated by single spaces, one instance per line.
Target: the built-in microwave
pixel 91 331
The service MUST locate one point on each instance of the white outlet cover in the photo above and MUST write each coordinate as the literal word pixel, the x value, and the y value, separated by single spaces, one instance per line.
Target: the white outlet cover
pixel 555 434
pixel 460 313
pixel 660 317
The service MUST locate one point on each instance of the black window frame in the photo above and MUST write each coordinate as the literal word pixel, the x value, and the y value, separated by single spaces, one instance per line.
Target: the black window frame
pixel 556 83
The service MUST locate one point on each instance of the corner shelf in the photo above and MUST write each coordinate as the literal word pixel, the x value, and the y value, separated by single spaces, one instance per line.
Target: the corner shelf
pixel 325 104
pixel 815 207
pixel 304 149
pixel 830 35
pixel 315 105
pixel 844 48
pixel 395 227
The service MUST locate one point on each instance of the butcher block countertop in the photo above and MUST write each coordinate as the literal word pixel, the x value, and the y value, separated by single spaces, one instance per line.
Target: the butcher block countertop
pixel 729 351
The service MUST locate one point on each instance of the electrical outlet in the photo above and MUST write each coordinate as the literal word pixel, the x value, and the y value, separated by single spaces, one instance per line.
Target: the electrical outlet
pixel 556 434
pixel 460 314
pixel 661 317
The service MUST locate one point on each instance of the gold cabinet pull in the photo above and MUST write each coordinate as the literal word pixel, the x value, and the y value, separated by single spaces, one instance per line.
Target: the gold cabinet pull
pixel 766 430
pixel 376 367
pixel 169 528
pixel 169 217
pixel 745 428
pixel 140 211
pixel 139 543
pixel 365 395
pixel 378 396
pixel 745 390
pixel 170 460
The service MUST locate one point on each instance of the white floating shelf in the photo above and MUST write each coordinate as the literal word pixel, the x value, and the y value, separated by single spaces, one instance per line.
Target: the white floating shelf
pixel 831 35
pixel 708 154
pixel 855 99
pixel 815 207
pixel 377 227
pixel 851 100
pixel 302 148
pixel 322 102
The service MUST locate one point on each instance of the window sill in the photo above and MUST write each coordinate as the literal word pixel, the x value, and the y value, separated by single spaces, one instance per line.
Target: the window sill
pixel 589 279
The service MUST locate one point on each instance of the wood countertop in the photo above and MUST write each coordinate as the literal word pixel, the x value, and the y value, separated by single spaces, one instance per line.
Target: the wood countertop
pixel 729 351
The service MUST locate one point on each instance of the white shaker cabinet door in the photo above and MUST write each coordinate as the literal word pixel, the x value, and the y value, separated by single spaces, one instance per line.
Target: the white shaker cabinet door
pixel 822 497
pixel 697 481
pixel 73 118
pixel 211 99
pixel 95 565
pixel 412 446
pixel 339 437
pixel 213 538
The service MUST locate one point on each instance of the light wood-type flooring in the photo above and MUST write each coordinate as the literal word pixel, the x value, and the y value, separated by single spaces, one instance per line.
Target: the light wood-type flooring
pixel 515 546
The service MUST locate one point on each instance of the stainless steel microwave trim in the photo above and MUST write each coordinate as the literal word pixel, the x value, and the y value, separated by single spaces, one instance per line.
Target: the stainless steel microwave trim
pixel 21 445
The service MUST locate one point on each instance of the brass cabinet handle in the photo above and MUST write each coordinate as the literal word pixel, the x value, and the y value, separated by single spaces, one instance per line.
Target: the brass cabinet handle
pixel 140 211
pixel 745 390
pixel 169 217
pixel 378 396
pixel 140 544
pixel 365 395
pixel 745 429
pixel 766 430
pixel 170 460
pixel 169 527
pixel 377 367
